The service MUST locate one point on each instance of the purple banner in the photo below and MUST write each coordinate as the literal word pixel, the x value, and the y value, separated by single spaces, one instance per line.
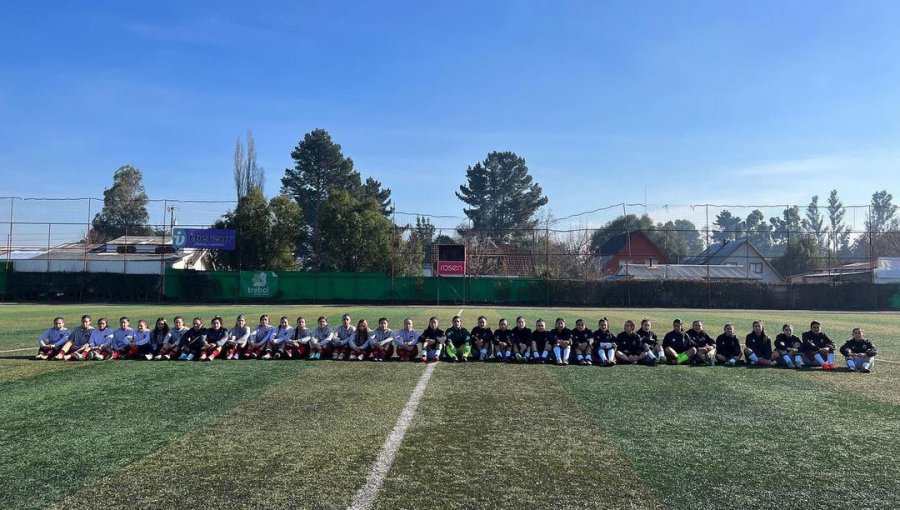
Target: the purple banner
pixel 208 239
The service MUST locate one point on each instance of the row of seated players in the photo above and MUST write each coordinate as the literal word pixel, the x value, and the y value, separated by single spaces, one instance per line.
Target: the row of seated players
pixel 541 345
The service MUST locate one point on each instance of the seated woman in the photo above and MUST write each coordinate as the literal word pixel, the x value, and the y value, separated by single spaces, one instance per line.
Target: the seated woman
pixel 521 339
pixel 340 344
pixel 297 346
pixel 541 342
pixel 359 344
pixel 704 344
pixel 728 347
pixel 604 344
pixel 216 336
pixel 581 338
pixel 123 339
pixel 817 349
pixel 237 338
pixel 101 341
pixel 482 340
pixel 677 345
pixel 432 341
pixel 52 340
pixel 193 340
pixel 80 340
pixel 406 341
pixel 562 337
pixel 787 348
pixel 171 345
pixel 651 342
pixel 859 353
pixel 282 334
pixel 260 342
pixel 758 346
pixel 158 336
pixel 629 347
pixel 502 342
pixel 459 346
pixel 141 348
pixel 382 341
pixel 321 339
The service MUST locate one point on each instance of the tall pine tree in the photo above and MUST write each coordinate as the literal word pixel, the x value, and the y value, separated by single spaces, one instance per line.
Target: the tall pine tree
pixel 501 196
pixel 320 167
pixel 124 208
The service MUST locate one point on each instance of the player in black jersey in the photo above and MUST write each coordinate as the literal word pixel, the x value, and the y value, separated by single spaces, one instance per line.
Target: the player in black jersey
pixel 859 352
pixel 521 339
pixel 581 338
pixel 604 344
pixel 758 346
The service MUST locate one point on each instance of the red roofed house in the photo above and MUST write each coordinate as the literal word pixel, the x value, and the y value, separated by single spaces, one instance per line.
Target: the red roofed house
pixel 634 248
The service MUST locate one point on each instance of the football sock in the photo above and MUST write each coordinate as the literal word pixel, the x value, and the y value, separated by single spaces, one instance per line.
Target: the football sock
pixel 819 359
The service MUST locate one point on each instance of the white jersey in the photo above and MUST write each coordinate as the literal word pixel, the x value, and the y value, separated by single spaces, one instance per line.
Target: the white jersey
pixel 404 337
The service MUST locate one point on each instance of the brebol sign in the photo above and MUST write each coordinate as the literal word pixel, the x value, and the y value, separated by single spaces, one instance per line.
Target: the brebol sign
pixel 209 239
pixel 451 268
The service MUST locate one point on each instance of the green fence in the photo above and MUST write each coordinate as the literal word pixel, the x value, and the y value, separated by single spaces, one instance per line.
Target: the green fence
pixel 308 287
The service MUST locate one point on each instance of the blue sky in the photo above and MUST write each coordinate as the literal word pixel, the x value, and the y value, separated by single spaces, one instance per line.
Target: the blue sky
pixel 695 102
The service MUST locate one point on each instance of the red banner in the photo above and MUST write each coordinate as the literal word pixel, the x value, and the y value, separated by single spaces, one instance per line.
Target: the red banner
pixel 451 268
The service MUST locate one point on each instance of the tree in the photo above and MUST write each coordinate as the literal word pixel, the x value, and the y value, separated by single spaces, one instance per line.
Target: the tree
pixel 320 167
pixel 501 196
pixel 758 232
pixel 787 226
pixel 423 232
pixel 730 227
pixel 124 208
pixel 882 229
pixel 248 176
pixel 801 255
pixel 267 234
pixel 678 239
pixel 814 223
pixel 629 223
pixel 356 237
pixel 839 232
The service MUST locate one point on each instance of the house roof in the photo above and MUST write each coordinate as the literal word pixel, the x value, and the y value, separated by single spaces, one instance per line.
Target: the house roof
pixel 614 245
pixel 716 254
pixel 682 272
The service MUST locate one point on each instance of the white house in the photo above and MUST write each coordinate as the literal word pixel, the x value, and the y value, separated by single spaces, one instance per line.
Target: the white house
pixel 742 254
pixel 128 255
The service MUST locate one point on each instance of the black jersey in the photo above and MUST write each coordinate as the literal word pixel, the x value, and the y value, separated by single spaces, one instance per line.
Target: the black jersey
pixel 862 346
pixel 678 341
pixel 784 342
pixel 629 343
pixel 811 342
pixel 561 334
pixel 482 334
pixel 604 337
pixel 521 336
pixel 581 337
pixel 502 335
pixel 701 339
pixel 648 337
pixel 193 336
pixel 541 338
pixel 728 346
pixel 436 334
pixel 759 345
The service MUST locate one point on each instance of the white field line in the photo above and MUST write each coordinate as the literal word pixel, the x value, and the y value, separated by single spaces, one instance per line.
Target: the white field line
pixel 460 312
pixel 20 350
pixel 367 494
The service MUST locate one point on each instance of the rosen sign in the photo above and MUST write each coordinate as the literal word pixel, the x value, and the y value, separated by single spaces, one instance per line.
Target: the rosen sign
pixel 451 260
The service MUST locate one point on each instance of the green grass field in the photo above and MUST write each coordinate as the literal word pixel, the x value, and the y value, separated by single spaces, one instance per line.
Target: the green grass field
pixel 289 434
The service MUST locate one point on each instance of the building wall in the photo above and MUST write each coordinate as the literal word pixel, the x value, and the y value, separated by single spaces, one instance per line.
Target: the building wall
pixel 93 266
pixel 744 257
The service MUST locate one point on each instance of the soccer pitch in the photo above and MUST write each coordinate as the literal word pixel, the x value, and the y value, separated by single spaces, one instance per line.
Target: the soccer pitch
pixel 299 434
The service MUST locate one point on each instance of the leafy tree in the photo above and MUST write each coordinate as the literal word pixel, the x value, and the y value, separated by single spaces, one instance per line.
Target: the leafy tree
pixel 629 223
pixel 730 227
pixel 248 176
pixel 758 232
pixel 677 239
pixel 882 237
pixel 319 168
pixel 801 255
pixel 267 234
pixel 357 237
pixel 423 232
pixel 501 196
pixel 789 225
pixel 124 208
pixel 839 232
